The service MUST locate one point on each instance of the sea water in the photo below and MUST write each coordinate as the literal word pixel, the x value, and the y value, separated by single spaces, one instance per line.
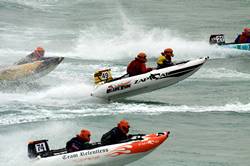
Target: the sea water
pixel 208 114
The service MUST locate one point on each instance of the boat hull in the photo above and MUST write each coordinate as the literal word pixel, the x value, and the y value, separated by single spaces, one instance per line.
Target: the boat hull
pixel 244 46
pixel 147 82
pixel 29 71
pixel 117 154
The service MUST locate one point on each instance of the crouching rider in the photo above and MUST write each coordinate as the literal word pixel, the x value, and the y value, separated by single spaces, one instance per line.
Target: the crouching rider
pixel 80 142
pixel 117 134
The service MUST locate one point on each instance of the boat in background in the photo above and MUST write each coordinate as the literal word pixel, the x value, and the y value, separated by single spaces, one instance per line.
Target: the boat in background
pixel 122 153
pixel 112 89
pixel 29 71
pixel 220 41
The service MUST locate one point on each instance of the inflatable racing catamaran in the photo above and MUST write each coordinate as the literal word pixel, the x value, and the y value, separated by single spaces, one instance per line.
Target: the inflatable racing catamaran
pixel 29 71
pixel 220 41
pixel 117 154
pixel 111 89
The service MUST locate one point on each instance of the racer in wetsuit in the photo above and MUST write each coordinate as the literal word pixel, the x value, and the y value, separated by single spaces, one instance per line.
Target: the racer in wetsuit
pixel 117 134
pixel 80 142
pixel 37 54
pixel 137 66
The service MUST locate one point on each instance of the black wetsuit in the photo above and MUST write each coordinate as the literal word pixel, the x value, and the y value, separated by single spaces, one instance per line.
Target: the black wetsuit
pixel 76 144
pixel 113 136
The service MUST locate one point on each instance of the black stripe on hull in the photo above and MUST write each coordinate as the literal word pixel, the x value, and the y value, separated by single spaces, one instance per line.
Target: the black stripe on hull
pixel 180 72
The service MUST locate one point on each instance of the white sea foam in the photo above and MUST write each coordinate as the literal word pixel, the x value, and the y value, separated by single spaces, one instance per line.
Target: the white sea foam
pixel 221 73
pixel 115 108
pixel 35 4
pixel 58 94
pixel 94 45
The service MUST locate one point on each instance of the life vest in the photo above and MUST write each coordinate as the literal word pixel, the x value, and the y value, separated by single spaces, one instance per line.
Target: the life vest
pixel 161 60
pixel 137 67
pixel 245 36
pixel 113 136
pixel 243 39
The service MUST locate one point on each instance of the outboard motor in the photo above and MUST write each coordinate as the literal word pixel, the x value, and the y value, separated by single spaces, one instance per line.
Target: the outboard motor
pixel 38 148
pixel 103 76
pixel 217 39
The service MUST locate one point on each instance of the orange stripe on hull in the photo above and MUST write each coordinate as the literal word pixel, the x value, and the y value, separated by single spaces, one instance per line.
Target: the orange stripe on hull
pixel 149 143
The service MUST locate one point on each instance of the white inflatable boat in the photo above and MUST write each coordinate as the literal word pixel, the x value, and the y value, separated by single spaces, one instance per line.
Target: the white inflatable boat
pixel 148 82
pixel 118 154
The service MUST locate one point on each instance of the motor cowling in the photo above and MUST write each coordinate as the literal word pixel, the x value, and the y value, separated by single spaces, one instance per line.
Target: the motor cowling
pixel 217 39
pixel 38 148
pixel 103 76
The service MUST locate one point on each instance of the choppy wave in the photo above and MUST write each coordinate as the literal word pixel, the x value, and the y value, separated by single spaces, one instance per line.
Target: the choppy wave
pixel 94 45
pixel 222 74
pixel 70 91
pixel 96 34
pixel 29 5
pixel 37 114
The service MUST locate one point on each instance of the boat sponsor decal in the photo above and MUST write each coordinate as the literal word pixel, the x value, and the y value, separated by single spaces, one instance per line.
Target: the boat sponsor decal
pixel 125 149
pixel 145 145
pixel 84 153
pixel 118 87
pixel 152 77
pixel 159 76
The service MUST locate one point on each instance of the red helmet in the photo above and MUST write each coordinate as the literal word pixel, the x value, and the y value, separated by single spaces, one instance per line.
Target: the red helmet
pixel 123 125
pixel 169 51
pixel 142 57
pixel 246 31
pixel 40 49
pixel 85 135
